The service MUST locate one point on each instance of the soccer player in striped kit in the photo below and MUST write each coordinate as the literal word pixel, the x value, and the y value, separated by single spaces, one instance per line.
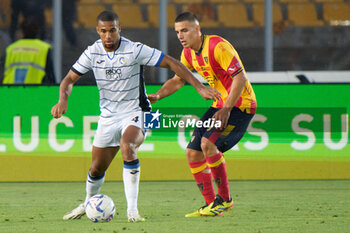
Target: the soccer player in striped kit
pixel 215 59
pixel 117 65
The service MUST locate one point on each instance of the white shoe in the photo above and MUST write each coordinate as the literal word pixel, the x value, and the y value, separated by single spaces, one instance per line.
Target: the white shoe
pixel 75 213
pixel 135 218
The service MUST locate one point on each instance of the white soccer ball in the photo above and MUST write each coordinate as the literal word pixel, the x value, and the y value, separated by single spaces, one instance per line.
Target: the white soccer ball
pixel 100 208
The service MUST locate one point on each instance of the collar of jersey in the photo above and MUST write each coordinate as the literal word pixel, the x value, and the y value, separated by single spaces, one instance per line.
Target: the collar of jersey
pixel 200 50
pixel 111 58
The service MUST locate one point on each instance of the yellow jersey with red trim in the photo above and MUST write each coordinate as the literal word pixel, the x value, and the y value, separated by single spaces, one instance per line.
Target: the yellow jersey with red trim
pixel 218 63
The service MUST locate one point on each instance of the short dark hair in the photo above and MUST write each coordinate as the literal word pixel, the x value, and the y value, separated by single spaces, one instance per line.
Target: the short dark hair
pixel 30 28
pixel 107 16
pixel 186 16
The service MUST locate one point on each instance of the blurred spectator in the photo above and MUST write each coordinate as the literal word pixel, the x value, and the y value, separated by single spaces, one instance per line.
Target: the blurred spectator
pixel 69 13
pixel 28 60
pixel 30 10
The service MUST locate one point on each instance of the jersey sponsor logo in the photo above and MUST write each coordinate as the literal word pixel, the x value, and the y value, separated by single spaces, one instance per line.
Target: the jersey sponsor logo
pixel 113 73
pixel 100 61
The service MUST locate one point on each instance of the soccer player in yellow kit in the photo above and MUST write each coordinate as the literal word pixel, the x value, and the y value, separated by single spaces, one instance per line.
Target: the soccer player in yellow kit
pixel 215 59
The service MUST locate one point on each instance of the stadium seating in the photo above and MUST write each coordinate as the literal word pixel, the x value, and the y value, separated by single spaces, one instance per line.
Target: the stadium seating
pixel 5 13
pixel 254 1
pixel 303 15
pixel 88 1
pixel 336 13
pixel 148 1
pixel 187 1
pixel 87 14
pixel 233 15
pixel 293 1
pixel 153 15
pixel 259 14
pixel 48 13
pixel 204 12
pixel 328 1
pixel 130 15
pixel 117 1
pixel 225 1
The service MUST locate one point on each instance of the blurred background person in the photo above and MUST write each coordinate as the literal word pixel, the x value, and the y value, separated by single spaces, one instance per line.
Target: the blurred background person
pixel 69 16
pixel 30 10
pixel 28 60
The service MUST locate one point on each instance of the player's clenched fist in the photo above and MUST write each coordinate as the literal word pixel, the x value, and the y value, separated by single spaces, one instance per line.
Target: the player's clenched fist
pixel 153 98
pixel 59 109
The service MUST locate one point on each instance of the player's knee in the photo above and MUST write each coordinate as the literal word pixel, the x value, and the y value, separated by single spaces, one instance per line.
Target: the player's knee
pixel 190 154
pixel 207 147
pixel 129 151
pixel 194 155
pixel 128 147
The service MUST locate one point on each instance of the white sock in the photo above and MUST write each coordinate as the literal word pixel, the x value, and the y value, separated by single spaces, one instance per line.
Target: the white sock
pixel 131 178
pixel 93 186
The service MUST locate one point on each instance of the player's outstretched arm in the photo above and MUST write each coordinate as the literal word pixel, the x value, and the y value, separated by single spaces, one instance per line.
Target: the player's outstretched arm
pixel 65 90
pixel 206 92
pixel 169 87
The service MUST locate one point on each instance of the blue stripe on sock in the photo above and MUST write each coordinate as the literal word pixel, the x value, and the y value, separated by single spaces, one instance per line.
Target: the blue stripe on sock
pixel 131 166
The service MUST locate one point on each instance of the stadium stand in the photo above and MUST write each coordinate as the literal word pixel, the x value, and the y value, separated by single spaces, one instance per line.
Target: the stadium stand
pixel 87 14
pixel 223 1
pixel 303 15
pixel 5 14
pixel 48 16
pixel 187 1
pixel 233 15
pixel 148 1
pixel 204 12
pixel 328 1
pixel 117 1
pixel 259 14
pixel 88 1
pixel 130 16
pixel 293 1
pixel 253 1
pixel 153 15
pixel 336 14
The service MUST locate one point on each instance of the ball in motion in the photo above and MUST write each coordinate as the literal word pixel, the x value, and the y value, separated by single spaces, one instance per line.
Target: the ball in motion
pixel 100 208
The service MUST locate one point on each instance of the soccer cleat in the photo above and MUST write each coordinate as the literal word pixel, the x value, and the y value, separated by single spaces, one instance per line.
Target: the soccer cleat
pixel 193 214
pixel 197 213
pixel 75 213
pixel 135 218
pixel 217 207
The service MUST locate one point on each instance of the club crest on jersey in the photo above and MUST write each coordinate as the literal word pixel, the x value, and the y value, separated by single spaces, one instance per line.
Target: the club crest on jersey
pixel 122 60
pixel 113 73
pixel 206 59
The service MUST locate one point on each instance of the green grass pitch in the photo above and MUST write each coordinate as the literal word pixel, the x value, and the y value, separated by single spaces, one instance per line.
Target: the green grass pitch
pixel 260 206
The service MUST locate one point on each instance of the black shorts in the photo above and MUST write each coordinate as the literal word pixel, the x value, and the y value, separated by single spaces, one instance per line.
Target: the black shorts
pixel 224 139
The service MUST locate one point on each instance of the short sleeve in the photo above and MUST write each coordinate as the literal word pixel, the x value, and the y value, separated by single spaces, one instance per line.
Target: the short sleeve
pixel 185 61
pixel 146 55
pixel 83 64
pixel 228 58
